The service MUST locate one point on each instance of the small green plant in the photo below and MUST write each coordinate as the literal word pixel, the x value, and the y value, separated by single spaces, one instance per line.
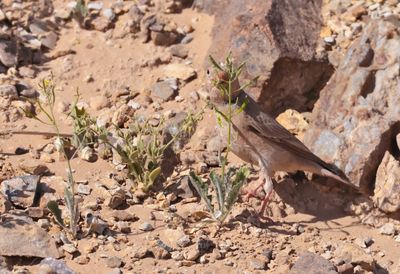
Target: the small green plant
pixel 228 183
pixel 80 12
pixel 142 146
pixel 45 105
pixel 85 129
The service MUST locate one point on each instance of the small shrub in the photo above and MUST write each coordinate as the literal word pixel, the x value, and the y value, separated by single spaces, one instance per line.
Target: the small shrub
pixel 45 104
pixel 228 183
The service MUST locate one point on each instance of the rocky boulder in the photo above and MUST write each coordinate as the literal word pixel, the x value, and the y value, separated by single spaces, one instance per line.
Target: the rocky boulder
pixel 356 119
pixel 278 40
pixel 20 236
pixel 387 185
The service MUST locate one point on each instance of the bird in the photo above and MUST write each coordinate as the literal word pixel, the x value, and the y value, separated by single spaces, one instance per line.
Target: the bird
pixel 257 138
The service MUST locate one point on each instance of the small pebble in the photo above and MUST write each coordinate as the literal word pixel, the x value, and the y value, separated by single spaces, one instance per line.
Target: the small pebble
pixel 113 262
pixel 146 227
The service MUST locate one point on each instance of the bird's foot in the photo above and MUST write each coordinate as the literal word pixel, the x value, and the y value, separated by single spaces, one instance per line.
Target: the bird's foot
pixel 264 218
pixel 261 212
pixel 252 193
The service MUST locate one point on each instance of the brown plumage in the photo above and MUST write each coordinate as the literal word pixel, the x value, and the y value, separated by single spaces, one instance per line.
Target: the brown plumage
pixel 259 139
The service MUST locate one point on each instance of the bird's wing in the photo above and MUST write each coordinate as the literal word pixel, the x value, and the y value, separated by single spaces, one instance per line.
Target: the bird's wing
pixel 270 129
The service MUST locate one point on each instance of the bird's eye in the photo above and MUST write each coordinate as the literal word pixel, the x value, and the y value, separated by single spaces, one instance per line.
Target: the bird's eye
pixel 208 72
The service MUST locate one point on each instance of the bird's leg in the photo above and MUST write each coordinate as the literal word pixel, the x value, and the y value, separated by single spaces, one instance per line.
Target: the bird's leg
pixel 250 193
pixel 268 187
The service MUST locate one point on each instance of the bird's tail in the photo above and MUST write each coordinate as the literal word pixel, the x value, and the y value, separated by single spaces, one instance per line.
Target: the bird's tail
pixel 333 172
pixel 329 173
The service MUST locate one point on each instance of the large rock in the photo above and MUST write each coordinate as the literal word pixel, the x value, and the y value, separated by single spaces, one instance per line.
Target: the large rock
pixel 356 118
pixel 387 184
pixel 20 236
pixel 311 263
pixel 278 41
pixel 22 191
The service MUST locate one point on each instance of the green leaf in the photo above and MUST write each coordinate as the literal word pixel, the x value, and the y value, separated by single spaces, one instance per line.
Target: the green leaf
pixel 240 179
pixel 53 207
pixel 219 188
pixel 242 106
pixel 252 82
pixel 219 120
pixel 215 64
pixel 221 114
pixel 154 174
pixel 239 70
pixel 69 201
pixel 202 189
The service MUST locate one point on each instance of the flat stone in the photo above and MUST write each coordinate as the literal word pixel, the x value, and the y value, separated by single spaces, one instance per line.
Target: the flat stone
pixel 36 212
pixel 180 71
pixel 101 23
pixel 311 263
pixel 183 241
pixel 146 227
pixel 123 227
pixel 38 27
pixel 22 190
pixel 163 38
pixel 172 238
pixel 123 215
pixel 351 253
pixel 49 40
pixel 387 184
pixel 257 264
pixel 113 262
pixel 192 254
pixel 20 236
pixel 83 189
pixel 387 229
pixel 70 248
pixel 33 167
pixel 163 90
pixel 8 53
pixel 179 51
pixel 27 72
pixel 8 91
pixel 56 266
